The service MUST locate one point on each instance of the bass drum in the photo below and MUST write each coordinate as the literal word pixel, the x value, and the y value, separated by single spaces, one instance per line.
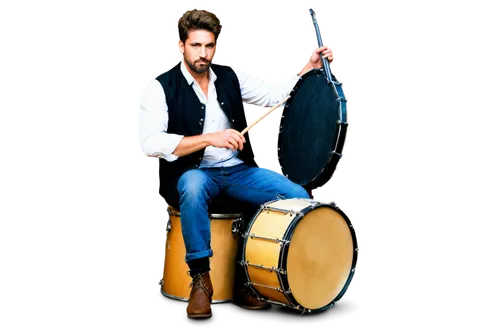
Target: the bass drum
pixel 312 130
pixel 300 253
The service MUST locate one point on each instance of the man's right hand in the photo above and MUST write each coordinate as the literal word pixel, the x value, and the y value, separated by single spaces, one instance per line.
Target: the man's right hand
pixel 229 138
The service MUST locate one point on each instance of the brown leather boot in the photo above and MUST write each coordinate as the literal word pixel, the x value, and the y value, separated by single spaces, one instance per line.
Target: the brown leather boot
pixel 200 297
pixel 245 298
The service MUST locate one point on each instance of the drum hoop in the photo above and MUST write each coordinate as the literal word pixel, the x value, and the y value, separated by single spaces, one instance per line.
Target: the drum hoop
pixel 336 155
pixel 284 252
pixel 173 212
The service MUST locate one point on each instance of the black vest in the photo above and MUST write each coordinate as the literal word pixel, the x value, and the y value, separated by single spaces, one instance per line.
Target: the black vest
pixel 186 116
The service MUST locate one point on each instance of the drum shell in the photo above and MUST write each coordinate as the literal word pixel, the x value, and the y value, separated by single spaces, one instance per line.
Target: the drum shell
pixel 225 238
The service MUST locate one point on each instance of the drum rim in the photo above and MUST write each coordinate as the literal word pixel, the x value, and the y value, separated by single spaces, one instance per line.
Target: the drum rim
pixel 174 212
pixel 283 278
pixel 336 151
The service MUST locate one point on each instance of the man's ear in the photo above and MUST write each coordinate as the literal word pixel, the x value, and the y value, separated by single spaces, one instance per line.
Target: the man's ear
pixel 181 46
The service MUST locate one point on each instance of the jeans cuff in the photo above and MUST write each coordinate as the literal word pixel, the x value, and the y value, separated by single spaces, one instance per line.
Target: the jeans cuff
pixel 198 255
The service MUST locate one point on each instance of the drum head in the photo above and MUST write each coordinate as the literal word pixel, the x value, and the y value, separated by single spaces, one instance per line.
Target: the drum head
pixel 320 258
pixel 310 133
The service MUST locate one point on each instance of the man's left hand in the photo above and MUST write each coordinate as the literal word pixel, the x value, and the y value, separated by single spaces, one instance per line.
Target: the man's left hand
pixel 319 54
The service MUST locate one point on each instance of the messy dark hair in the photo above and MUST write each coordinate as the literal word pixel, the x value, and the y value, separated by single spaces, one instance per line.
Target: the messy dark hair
pixel 198 19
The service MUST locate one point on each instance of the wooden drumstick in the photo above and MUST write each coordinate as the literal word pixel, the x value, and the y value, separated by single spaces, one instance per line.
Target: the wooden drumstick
pixel 265 114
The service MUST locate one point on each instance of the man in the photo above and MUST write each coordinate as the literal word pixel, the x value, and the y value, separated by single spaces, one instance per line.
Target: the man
pixel 191 119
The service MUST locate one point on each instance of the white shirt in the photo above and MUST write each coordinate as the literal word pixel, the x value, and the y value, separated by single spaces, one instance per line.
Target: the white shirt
pixel 153 122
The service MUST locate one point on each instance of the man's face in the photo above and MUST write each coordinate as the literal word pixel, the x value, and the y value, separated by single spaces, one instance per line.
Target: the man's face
pixel 198 50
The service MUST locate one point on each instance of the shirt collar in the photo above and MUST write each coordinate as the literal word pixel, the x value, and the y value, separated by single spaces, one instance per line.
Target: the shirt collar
pixel 189 78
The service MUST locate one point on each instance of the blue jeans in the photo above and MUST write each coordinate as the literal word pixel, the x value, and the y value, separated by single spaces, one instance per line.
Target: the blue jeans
pixel 198 187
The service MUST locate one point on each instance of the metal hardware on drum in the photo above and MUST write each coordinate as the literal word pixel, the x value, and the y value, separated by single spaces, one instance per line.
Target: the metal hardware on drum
pixel 168 224
pixel 284 211
pixel 288 305
pixel 274 209
pixel 269 287
pixel 334 203
pixel 273 302
pixel 277 240
pixel 270 269
pixel 237 224
pixel 159 284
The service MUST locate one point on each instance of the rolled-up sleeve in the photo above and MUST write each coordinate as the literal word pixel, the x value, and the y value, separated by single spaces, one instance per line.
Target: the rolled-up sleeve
pixel 261 93
pixel 153 124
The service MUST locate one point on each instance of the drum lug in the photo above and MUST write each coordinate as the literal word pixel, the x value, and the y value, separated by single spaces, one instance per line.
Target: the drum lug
pixel 159 284
pixel 168 225
pixel 332 305
pixel 237 224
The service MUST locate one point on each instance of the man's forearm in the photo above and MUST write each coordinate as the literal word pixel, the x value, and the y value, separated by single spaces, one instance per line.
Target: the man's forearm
pixel 191 144
pixel 306 69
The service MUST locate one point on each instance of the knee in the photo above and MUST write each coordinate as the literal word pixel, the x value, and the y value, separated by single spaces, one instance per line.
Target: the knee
pixel 191 185
pixel 297 191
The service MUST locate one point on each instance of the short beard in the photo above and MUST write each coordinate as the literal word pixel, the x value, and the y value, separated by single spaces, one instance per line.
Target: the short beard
pixel 201 70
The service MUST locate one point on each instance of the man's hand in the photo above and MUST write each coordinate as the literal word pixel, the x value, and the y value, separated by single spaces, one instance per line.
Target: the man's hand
pixel 229 138
pixel 318 54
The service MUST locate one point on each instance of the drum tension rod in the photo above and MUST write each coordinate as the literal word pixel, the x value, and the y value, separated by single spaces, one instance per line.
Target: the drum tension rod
pixel 265 286
pixel 277 240
pixel 270 269
pixel 273 302
pixel 290 212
